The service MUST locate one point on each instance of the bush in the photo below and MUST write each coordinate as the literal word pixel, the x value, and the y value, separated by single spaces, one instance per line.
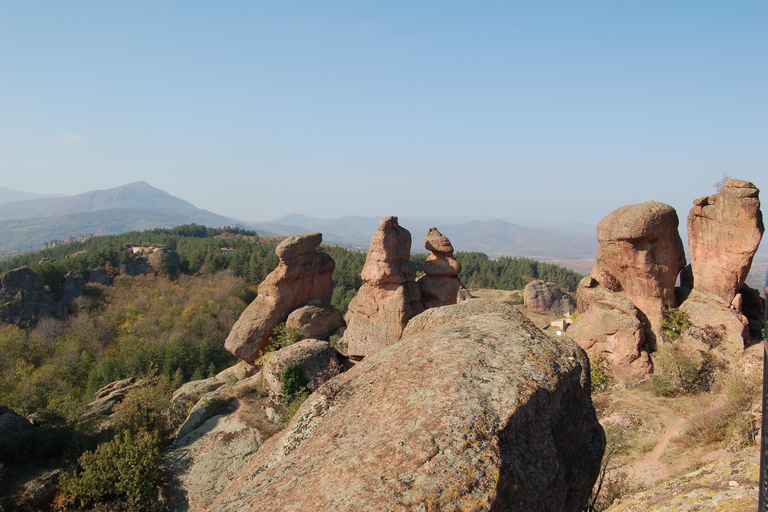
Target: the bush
pixel 124 470
pixel 682 370
pixel 674 323
pixel 295 389
pixel 598 375
pixel 282 336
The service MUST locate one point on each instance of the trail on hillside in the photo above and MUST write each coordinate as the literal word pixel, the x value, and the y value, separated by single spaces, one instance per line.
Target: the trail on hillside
pixel 650 469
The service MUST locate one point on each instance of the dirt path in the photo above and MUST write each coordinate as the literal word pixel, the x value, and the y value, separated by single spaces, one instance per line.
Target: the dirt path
pixel 650 469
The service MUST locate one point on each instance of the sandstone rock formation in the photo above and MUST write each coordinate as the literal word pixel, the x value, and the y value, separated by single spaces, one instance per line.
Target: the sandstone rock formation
pixel 303 275
pixel 724 232
pixel 639 257
pixel 477 409
pixel 316 320
pixel 389 296
pixel 317 359
pixel 622 302
pixel 723 327
pixel 440 283
pixel 611 328
pixel 548 299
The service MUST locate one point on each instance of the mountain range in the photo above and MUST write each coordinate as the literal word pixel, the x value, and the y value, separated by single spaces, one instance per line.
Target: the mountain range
pixel 30 223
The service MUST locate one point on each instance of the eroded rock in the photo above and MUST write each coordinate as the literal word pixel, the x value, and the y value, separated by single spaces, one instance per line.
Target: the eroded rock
pixel 440 283
pixel 477 409
pixel 548 299
pixel 724 232
pixel 317 359
pixel 389 297
pixel 303 275
pixel 316 320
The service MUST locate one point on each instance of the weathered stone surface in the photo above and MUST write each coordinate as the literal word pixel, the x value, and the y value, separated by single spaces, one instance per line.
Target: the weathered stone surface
pixel 639 257
pixel 303 275
pixel 389 296
pixel 440 283
pixel 726 327
pixel 191 392
pixel 22 297
pixel 318 363
pixel 103 406
pixel 476 410
pixel 70 289
pixel 316 320
pixel 548 299
pixel 610 327
pixel 237 372
pixel 753 307
pixel 729 484
pixel 203 462
pixel 98 276
pixel 12 427
pixel 724 232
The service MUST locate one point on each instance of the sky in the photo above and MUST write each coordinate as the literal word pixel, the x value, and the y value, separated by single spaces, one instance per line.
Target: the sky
pixel 551 111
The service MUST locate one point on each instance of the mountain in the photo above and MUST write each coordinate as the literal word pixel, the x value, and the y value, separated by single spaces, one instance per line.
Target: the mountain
pixel 493 236
pixel 137 206
pixel 9 196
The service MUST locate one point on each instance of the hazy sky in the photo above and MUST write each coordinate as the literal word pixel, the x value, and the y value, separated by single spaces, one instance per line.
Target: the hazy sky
pixel 556 111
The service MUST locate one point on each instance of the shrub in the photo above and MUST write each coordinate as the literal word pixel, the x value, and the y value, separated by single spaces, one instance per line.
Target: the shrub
pixel 598 375
pixel 682 370
pixel 674 323
pixel 124 470
pixel 295 389
pixel 282 336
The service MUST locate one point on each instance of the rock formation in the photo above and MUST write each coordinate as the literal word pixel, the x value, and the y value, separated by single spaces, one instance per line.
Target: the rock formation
pixel 23 297
pixel 724 232
pixel 316 320
pixel 611 328
pixel 303 275
pixel 621 303
pixel 440 283
pixel 317 359
pixel 548 299
pixel 475 409
pixel 389 296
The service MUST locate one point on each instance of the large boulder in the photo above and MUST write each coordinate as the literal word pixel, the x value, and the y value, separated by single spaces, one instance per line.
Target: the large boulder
pixel 724 328
pixel 610 328
pixel 316 320
pixel 440 283
pixel 317 359
pixel 303 275
pixel 548 299
pixel 476 409
pixel 639 256
pixel 724 232
pixel 389 296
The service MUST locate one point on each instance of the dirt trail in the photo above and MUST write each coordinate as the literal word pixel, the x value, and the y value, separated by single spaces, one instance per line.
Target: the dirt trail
pixel 650 469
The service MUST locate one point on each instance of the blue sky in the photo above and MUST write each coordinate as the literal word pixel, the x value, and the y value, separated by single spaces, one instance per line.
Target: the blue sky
pixel 554 111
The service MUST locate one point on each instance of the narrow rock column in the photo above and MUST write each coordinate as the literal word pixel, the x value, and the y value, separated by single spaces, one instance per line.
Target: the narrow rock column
pixel 440 283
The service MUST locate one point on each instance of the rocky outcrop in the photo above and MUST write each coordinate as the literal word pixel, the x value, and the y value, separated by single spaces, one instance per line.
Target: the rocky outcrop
pixel 303 275
pixel 23 297
pixel 724 232
pixel 101 410
pixel 639 257
pixel 389 296
pixel 548 299
pixel 729 484
pixel 476 409
pixel 316 320
pixel 440 283
pixel 611 328
pixel 317 359
pixel 714 325
pixel 13 435
pixel 622 302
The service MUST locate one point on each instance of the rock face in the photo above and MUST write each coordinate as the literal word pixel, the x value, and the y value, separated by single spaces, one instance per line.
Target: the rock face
pixel 714 321
pixel 476 409
pixel 317 359
pixel 621 303
pixel 611 328
pixel 303 275
pixel 316 320
pixel 548 299
pixel 724 232
pixel 389 296
pixel 440 283
pixel 22 297
pixel 730 484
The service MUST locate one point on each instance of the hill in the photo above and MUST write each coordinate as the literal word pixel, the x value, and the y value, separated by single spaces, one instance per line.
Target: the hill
pixel 134 207
pixel 9 196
